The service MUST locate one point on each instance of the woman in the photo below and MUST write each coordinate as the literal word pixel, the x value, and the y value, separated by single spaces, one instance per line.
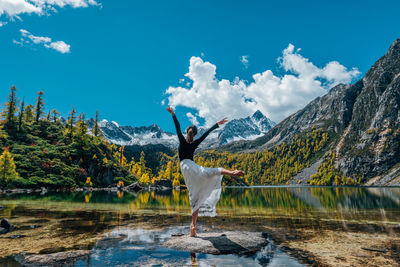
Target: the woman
pixel 204 184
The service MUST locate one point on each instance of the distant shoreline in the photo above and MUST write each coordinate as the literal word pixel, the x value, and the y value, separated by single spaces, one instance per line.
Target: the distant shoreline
pixel 151 189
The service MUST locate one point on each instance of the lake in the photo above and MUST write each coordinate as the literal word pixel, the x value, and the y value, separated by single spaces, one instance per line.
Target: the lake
pixel 326 225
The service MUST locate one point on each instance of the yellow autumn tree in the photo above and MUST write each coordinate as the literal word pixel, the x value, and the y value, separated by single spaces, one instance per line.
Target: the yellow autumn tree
pixel 168 174
pixel 176 182
pixel 144 179
pixel 7 167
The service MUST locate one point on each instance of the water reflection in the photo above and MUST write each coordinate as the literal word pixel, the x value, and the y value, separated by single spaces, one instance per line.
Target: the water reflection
pixel 136 223
pixel 141 247
pixel 328 202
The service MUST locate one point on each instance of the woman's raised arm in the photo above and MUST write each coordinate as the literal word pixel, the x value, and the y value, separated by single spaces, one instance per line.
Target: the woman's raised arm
pixel 215 126
pixel 177 125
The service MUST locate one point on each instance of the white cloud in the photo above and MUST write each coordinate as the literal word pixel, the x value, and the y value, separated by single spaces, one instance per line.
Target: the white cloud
pixel 27 38
pixel 13 8
pixel 276 96
pixel 59 46
pixel 192 118
pixel 245 61
pixel 34 39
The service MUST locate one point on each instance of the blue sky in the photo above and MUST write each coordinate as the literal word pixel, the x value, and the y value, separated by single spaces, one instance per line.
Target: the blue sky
pixel 124 55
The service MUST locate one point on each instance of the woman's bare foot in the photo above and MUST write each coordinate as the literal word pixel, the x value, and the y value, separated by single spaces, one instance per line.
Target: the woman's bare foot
pixel 192 230
pixel 238 173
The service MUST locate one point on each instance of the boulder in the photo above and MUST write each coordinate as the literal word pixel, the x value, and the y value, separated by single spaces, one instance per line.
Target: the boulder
pixel 229 242
pixel 163 183
pixel 6 226
pixel 53 259
pixel 133 187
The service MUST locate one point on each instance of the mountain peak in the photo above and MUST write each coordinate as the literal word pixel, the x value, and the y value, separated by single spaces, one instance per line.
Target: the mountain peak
pixel 386 68
pixel 395 45
pixel 258 115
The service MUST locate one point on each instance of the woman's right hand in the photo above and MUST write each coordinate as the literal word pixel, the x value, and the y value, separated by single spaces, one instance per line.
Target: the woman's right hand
pixel 170 110
pixel 224 120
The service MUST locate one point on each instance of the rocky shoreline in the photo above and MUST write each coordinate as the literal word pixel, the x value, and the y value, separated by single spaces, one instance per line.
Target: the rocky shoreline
pixel 161 185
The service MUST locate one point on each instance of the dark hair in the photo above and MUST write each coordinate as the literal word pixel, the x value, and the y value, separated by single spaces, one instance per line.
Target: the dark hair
pixel 194 129
pixel 191 134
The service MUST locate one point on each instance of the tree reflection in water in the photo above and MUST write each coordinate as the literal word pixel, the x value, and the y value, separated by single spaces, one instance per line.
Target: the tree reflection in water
pixel 297 204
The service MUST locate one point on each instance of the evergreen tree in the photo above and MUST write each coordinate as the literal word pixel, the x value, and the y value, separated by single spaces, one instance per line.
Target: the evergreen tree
pixel 10 109
pixel 21 115
pixel 82 128
pixel 28 114
pixel 122 159
pixel 55 115
pixel 70 123
pixel 48 117
pixel 96 130
pixel 71 119
pixel 142 161
pixel 39 105
pixel 7 167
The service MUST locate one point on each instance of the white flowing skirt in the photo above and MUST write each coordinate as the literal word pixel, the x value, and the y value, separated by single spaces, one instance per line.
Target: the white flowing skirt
pixel 204 185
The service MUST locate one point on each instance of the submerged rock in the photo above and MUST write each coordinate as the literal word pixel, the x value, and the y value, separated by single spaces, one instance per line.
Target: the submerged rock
pixel 6 226
pixel 230 242
pixel 108 242
pixel 54 259
pixel 16 236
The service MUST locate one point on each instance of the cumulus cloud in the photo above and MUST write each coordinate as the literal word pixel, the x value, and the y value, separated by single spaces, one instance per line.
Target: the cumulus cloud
pixel 192 118
pixel 275 96
pixel 2 23
pixel 245 61
pixel 28 38
pixel 59 46
pixel 13 8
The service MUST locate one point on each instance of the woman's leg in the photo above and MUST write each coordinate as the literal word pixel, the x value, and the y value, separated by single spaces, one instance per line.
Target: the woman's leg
pixel 193 224
pixel 232 173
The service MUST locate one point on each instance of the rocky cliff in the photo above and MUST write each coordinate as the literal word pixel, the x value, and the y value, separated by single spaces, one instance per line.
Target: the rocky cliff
pixel 363 122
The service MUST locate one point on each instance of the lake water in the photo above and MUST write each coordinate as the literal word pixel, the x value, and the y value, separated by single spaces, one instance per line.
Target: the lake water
pixel 304 224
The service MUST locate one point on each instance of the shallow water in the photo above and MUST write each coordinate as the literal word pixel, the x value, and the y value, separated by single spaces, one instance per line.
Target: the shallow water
pixel 141 222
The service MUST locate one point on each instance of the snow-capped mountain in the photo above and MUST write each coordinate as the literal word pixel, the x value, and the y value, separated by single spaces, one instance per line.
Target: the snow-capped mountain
pixel 128 135
pixel 245 128
pixel 237 129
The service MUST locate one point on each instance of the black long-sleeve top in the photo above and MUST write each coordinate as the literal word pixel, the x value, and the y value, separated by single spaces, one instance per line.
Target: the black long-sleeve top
pixel 186 150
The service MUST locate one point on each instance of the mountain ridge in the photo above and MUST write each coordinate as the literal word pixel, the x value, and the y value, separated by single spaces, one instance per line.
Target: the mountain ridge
pixel 237 129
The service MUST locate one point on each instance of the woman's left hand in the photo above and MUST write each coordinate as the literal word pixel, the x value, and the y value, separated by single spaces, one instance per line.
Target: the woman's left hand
pixel 170 110
pixel 224 120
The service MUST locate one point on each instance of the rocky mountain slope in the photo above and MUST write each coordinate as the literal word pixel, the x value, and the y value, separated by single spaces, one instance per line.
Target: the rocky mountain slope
pixel 128 135
pixel 363 122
